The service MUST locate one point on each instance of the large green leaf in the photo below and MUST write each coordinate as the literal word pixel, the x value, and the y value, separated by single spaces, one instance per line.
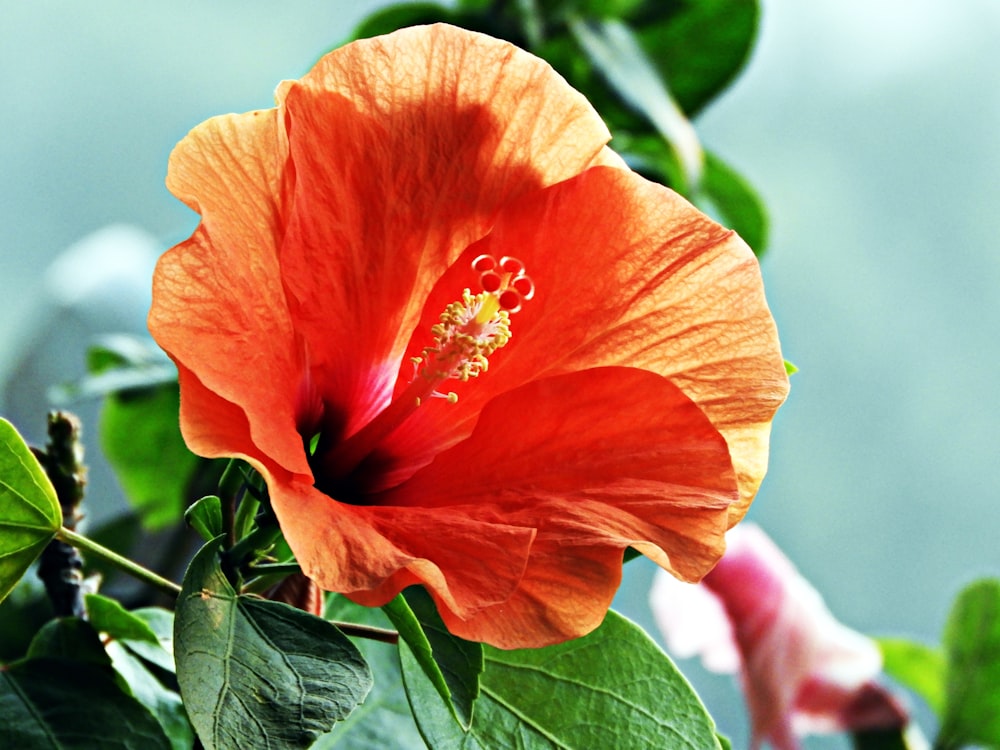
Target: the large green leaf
pixel 141 438
pixel 919 667
pixel 452 665
pixel 257 673
pixel 697 47
pixel 614 688
pixel 29 509
pixel 63 704
pixel 972 648
pixel 69 638
pixel 78 640
pixel 384 720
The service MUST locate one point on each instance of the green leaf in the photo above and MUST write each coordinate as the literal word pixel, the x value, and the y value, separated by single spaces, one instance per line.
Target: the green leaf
pixel 790 368
pixel 649 155
pixel 29 509
pixel 117 351
pixel 78 640
pixel 452 665
pixel 461 662
pixel 22 614
pixel 205 517
pixel 919 667
pixel 69 638
pixel 616 53
pixel 384 720
pixel 698 46
pixel 118 362
pixel 108 616
pixel 161 622
pixel 163 703
pixel 245 520
pixel 141 438
pixel 63 704
pixel 256 673
pixel 737 204
pixel 614 688
pixel 972 650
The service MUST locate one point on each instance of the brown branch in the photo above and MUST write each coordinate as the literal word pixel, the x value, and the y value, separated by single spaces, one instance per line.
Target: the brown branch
pixel 60 566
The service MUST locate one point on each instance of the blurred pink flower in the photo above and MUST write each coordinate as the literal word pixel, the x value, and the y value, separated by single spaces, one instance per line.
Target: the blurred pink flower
pixel 802 671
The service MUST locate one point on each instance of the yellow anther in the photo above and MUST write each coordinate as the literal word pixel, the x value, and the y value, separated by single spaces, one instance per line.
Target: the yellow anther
pixel 467 333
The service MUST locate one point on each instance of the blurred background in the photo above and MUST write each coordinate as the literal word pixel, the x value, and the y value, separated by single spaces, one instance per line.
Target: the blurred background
pixel 869 127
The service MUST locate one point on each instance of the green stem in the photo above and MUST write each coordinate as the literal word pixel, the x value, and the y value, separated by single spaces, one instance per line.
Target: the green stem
pixel 87 545
pixel 268 569
pixel 258 539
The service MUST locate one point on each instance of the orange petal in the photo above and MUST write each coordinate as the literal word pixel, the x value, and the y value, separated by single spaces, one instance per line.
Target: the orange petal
pixel 626 273
pixel 470 560
pixel 218 306
pixel 555 602
pixel 213 427
pixel 404 147
pixel 596 461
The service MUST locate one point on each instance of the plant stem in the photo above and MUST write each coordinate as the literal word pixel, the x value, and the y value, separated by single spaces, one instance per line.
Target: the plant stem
pixel 134 569
pixel 230 489
pixel 367 631
pixel 268 569
pixel 60 566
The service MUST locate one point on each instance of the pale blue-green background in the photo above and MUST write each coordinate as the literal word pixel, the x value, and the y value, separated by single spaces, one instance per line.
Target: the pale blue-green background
pixel 869 127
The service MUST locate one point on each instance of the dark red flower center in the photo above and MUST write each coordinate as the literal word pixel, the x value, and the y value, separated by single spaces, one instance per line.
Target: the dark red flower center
pixel 467 333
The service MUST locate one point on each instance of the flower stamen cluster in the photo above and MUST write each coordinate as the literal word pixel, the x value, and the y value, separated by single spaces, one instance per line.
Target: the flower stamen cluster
pixel 461 343
pixel 472 328
pixel 468 332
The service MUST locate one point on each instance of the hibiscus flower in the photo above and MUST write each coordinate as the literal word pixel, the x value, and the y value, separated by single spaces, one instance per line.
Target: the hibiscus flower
pixel 465 346
pixel 802 671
